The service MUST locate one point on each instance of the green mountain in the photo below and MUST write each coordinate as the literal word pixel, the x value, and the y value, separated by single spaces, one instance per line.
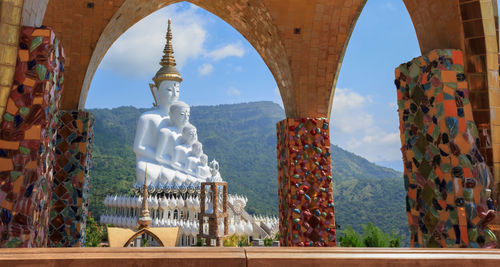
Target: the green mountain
pixel 242 137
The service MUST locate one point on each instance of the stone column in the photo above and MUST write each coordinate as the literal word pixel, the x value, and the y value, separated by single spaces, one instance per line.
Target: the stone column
pixel 71 179
pixel 26 134
pixel 445 175
pixel 305 183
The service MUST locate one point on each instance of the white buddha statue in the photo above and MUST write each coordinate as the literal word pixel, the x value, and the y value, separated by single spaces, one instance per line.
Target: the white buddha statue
pixel 181 151
pixel 170 133
pixel 165 92
pixel 165 141
pixel 203 170
pixel 214 171
pixel 193 159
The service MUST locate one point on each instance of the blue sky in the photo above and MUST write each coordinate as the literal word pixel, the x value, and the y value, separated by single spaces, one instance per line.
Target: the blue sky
pixel 220 67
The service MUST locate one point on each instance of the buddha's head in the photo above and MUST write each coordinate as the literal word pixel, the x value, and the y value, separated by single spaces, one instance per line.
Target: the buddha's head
pixel 168 92
pixel 196 149
pixel 204 159
pixel 179 114
pixel 167 78
pixel 189 135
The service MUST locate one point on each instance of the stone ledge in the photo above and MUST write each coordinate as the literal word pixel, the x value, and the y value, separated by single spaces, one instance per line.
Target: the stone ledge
pixel 265 256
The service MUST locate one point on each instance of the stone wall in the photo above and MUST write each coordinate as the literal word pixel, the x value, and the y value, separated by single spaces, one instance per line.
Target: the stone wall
pixel 305 183
pixel 71 179
pixel 444 172
pixel 26 134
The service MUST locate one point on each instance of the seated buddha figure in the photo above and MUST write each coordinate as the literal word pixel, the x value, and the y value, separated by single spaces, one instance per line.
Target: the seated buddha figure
pixel 193 157
pixel 170 135
pixel 181 151
pixel 165 91
pixel 202 170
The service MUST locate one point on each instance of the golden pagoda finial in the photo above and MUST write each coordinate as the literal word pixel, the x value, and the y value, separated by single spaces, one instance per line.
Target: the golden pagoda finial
pixel 168 70
pixel 144 219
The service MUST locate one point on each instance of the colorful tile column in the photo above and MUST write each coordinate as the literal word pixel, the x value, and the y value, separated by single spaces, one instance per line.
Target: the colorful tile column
pixel 71 179
pixel 26 134
pixel 446 178
pixel 305 183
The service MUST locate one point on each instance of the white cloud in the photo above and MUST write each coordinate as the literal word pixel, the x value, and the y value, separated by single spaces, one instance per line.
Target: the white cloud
pixel 233 92
pixel 357 130
pixel 138 51
pixel 205 69
pixel 230 50
pixel 277 96
pixel 390 6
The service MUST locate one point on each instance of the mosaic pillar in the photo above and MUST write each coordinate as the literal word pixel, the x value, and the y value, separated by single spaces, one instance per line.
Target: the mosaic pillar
pixel 446 178
pixel 26 134
pixel 305 183
pixel 71 179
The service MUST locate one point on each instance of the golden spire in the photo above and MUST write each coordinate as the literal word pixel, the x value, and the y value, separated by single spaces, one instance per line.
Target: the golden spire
pixel 144 219
pixel 168 70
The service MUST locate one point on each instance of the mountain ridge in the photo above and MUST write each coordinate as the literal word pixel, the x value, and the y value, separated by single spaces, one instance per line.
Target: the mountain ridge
pixel 242 137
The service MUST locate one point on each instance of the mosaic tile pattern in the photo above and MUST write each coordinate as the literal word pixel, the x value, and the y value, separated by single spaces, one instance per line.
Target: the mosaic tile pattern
pixel 26 134
pixel 71 179
pixel 445 175
pixel 305 183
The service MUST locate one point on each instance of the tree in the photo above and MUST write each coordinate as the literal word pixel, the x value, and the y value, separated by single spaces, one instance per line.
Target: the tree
pixel 350 239
pixel 372 237
pixel 93 233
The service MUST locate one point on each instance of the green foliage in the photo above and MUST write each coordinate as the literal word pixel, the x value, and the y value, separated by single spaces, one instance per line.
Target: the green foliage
pixel 93 233
pixel 231 241
pixel 243 241
pixel 268 242
pixel 144 241
pixel 236 241
pixel 350 238
pixel 372 237
pixel 242 137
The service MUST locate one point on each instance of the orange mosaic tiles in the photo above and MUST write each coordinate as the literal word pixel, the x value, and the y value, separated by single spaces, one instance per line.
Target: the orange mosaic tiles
pixel 26 135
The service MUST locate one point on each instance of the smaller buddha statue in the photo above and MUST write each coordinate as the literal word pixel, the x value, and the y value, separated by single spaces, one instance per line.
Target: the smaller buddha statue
pixel 168 136
pixel 202 169
pixel 214 171
pixel 188 137
pixel 193 159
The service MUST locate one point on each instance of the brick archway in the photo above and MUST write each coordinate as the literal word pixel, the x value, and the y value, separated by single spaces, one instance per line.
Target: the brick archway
pixel 302 43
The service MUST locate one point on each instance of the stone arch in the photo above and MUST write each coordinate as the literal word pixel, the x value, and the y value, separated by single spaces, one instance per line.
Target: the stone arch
pixel 302 43
pixel 249 19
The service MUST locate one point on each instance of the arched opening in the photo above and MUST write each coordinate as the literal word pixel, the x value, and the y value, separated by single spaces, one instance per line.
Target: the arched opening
pixel 144 238
pixel 449 32
pixel 200 40
pixel 369 187
pixel 479 46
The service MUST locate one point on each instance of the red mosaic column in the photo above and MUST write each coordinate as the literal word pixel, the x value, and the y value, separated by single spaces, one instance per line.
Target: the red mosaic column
pixel 26 134
pixel 71 179
pixel 446 178
pixel 305 183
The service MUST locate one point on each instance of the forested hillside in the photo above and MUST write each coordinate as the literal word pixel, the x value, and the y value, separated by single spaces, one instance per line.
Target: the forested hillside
pixel 242 137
